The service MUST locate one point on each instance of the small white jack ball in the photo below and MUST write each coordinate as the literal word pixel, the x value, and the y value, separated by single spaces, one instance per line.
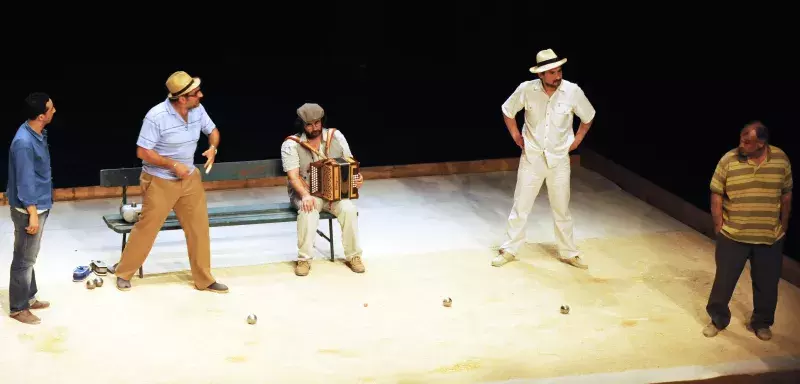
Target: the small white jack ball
pixel 252 318
pixel 565 309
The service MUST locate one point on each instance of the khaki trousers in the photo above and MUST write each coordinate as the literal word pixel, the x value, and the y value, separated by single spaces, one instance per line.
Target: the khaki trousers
pixel 308 222
pixel 532 173
pixel 188 199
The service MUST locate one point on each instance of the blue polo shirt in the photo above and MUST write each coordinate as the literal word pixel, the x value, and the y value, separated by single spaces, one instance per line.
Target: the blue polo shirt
pixel 165 131
pixel 30 180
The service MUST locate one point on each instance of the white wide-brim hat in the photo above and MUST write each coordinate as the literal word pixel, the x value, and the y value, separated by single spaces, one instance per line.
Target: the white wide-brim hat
pixel 547 60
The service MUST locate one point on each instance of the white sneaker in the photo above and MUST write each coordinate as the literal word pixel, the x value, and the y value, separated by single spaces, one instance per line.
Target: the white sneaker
pixel 502 258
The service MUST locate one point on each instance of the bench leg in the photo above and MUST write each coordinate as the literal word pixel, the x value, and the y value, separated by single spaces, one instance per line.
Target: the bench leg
pixel 330 233
pixel 124 238
pixel 328 237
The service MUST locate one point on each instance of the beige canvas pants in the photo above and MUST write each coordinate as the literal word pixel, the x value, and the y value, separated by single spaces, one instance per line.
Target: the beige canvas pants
pixel 532 172
pixel 308 222
pixel 188 199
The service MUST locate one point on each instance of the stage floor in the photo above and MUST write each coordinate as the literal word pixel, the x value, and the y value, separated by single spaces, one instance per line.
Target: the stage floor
pixel 636 314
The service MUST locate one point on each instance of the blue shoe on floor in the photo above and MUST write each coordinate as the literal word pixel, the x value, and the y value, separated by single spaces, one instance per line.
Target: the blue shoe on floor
pixel 81 273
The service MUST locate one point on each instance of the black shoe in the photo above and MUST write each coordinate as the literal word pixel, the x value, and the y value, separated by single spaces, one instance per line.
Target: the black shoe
pixel 217 287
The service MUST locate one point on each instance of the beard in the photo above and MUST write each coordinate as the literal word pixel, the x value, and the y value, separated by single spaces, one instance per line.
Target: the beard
pixel 754 153
pixel 555 83
pixel 313 134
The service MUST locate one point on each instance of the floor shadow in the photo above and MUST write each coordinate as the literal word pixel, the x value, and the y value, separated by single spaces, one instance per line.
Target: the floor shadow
pixel 689 289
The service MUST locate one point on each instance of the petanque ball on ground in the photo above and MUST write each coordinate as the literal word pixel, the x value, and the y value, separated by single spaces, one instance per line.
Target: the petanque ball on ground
pixel 447 302
pixel 252 318
pixel 565 309
pixel 90 284
pixel 98 282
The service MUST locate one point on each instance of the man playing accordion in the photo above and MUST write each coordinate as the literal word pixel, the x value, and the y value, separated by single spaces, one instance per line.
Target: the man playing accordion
pixel 313 143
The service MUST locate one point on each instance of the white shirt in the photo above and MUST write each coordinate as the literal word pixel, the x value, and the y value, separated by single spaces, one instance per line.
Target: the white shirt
pixel 548 120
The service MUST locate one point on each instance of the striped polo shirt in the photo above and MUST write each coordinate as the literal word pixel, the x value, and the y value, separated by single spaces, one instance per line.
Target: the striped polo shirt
pixel 752 195
pixel 165 131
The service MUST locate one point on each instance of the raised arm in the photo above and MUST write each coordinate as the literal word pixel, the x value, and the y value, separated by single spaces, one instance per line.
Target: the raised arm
pixel 510 108
pixel 586 112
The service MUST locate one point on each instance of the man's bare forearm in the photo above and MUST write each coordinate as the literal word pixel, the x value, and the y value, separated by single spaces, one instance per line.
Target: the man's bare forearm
pixel 583 129
pixel 716 210
pixel 32 210
pixel 152 157
pixel 511 125
pixel 786 209
pixel 213 138
pixel 299 186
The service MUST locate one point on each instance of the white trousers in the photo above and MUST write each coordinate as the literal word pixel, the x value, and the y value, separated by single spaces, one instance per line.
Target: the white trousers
pixel 532 172
pixel 308 222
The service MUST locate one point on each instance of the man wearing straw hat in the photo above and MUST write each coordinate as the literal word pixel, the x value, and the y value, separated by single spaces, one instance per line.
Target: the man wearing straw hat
pixel 547 137
pixel 170 181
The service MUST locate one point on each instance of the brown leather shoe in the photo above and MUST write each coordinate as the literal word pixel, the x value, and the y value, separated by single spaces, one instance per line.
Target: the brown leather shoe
pixel 710 330
pixel 302 268
pixel 38 304
pixel 26 317
pixel 356 265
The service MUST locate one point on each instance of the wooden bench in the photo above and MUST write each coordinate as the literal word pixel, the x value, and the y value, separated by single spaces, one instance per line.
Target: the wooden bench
pixel 217 216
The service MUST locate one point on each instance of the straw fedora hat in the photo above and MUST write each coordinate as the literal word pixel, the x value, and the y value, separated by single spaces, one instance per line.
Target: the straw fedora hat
pixel 180 83
pixel 547 60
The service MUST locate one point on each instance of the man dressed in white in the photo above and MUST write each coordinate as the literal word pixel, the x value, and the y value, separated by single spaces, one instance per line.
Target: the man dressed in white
pixel 547 138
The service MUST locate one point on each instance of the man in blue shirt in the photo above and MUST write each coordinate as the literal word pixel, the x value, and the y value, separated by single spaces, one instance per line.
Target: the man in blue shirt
pixel 30 196
pixel 170 181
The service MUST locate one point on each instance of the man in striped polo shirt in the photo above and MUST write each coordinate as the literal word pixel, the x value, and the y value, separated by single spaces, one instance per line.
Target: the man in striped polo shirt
pixel 751 195
pixel 170 181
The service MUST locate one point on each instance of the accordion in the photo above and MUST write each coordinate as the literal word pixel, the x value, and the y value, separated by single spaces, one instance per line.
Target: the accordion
pixel 333 179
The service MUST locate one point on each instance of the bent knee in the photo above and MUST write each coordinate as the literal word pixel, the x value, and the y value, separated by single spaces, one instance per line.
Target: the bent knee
pixel 347 207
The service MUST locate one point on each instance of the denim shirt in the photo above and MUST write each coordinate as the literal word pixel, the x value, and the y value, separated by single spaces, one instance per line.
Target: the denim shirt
pixel 29 177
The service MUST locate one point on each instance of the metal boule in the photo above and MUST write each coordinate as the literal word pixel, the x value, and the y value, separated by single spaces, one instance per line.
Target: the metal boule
pixel 98 282
pixel 447 302
pixel 565 309
pixel 252 318
pixel 90 284
pixel 131 212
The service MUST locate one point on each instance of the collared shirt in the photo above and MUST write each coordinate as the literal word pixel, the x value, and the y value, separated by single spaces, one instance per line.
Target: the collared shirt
pixel 548 120
pixel 30 179
pixel 165 131
pixel 291 159
pixel 751 204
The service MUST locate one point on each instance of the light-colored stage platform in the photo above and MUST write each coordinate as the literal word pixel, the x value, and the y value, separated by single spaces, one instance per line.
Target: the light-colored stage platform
pixel 636 314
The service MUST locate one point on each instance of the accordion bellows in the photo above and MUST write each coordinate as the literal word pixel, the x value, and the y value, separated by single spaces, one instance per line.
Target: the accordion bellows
pixel 333 179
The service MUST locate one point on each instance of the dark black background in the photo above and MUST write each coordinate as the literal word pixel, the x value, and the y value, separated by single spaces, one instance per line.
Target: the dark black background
pixel 411 85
